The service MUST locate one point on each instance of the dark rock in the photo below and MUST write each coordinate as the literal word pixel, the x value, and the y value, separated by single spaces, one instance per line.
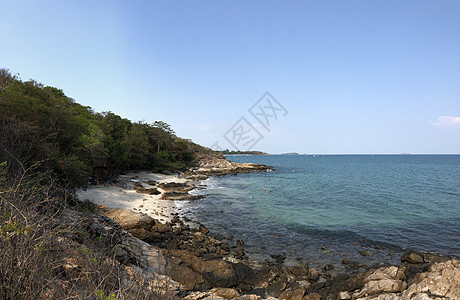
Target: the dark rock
pixel 292 295
pixel 328 267
pixel 312 296
pixel 239 253
pixel 177 196
pixel 413 258
pixel 149 191
pixel 299 271
pixel 203 229
pixel 276 287
pixel 313 274
pixel 279 258
pixel 365 253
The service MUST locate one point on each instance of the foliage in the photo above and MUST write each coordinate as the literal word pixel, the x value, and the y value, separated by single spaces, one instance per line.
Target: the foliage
pixel 49 251
pixel 41 124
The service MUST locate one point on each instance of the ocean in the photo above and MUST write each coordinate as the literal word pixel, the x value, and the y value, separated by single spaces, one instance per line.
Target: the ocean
pixel 326 208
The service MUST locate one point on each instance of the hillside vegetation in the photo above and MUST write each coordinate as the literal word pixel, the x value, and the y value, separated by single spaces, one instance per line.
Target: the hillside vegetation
pixel 40 126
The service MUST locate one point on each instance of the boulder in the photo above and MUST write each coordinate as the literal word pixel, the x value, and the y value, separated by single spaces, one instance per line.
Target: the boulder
pixel 292 295
pixel 345 295
pixel 413 258
pixel 313 274
pixel 149 191
pixel 225 293
pixel 442 280
pixel 179 196
pixel 312 296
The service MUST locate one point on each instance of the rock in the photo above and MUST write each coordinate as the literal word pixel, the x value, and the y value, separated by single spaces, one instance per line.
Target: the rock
pixel 239 243
pixel 176 187
pixel 328 267
pixel 276 287
pixel 382 280
pixel 380 286
pixel 239 253
pixel 345 295
pixel 149 191
pixel 299 271
pixel 442 280
pixel 120 253
pixel 225 293
pixel 187 277
pixel 312 296
pixel 248 297
pixel 365 253
pixel 313 274
pixel 392 272
pixel 413 258
pixel 203 229
pixel 178 196
pixel 292 295
pixel 279 258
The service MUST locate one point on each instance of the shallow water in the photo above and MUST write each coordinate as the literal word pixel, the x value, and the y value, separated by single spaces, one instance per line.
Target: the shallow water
pixel 347 203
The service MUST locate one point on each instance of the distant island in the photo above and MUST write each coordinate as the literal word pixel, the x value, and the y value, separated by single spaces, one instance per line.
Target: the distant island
pixel 234 152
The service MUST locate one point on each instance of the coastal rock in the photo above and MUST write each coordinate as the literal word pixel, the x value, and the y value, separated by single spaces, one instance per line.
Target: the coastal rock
pixel 225 293
pixel 442 280
pixel 345 295
pixel 149 191
pixel 176 186
pixel 313 274
pixel 382 280
pixel 203 229
pixel 312 296
pixel 413 258
pixel 365 253
pixel 292 295
pixel 179 195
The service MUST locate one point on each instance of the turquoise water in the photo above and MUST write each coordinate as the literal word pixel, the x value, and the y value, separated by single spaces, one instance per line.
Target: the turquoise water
pixel 379 203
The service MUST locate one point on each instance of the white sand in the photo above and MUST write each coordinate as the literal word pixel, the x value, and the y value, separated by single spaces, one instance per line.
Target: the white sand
pixel 127 198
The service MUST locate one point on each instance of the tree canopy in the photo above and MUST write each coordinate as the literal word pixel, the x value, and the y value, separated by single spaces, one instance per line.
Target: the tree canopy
pixel 41 125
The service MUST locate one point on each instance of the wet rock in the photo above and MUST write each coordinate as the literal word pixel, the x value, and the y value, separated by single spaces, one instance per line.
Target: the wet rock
pixel 239 253
pixel 203 229
pixel 149 191
pixel 328 267
pixel 313 274
pixel 365 253
pixel 300 271
pixel 413 258
pixel 279 258
pixel 178 196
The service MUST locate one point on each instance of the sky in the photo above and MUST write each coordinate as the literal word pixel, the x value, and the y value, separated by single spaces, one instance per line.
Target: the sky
pixel 319 77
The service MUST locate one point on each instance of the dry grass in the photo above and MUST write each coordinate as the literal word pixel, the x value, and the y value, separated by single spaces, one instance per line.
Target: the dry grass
pixel 44 256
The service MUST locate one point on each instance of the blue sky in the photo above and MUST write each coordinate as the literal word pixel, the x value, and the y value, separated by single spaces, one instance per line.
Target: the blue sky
pixel 354 76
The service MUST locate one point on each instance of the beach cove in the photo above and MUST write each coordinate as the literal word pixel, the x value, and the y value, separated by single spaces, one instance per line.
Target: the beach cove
pixel 217 252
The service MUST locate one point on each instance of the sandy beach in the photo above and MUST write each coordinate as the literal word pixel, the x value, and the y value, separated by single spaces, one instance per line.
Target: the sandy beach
pixel 122 194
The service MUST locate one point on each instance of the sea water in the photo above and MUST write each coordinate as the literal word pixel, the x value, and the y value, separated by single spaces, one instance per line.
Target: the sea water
pixel 326 208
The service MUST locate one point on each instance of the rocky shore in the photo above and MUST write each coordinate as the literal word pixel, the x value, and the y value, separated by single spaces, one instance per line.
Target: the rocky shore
pixel 196 264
